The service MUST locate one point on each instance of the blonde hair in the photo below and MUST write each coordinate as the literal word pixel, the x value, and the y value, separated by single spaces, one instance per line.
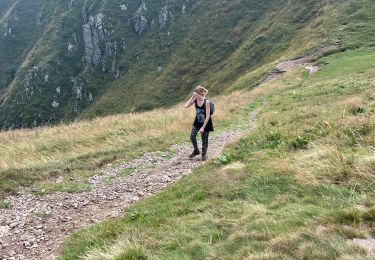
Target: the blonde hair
pixel 201 90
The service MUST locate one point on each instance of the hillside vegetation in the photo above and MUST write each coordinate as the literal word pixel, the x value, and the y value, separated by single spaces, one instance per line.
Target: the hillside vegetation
pixel 36 158
pixel 86 58
pixel 300 187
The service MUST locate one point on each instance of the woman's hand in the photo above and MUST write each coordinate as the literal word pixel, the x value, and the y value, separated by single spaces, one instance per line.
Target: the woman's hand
pixel 191 101
pixel 201 131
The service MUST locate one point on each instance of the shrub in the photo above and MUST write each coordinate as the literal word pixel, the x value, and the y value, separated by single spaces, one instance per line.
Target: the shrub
pixel 225 159
pixel 301 142
pixel 366 128
pixel 274 139
pixel 358 110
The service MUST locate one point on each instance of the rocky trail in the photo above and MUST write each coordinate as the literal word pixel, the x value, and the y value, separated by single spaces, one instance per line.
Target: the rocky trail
pixel 36 226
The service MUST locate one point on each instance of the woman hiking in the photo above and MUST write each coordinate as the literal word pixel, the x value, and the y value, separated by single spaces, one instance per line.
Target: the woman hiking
pixel 202 123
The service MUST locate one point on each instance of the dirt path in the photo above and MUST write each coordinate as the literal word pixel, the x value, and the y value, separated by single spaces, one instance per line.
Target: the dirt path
pixel 308 62
pixel 35 227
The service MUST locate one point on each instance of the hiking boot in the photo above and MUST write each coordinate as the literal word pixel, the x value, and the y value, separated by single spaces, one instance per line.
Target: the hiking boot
pixel 204 153
pixel 194 153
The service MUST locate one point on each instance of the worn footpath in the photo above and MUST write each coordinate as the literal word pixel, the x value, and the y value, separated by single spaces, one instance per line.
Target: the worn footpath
pixel 36 226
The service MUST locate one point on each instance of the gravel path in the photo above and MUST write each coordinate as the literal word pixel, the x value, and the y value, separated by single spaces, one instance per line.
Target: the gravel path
pixel 35 227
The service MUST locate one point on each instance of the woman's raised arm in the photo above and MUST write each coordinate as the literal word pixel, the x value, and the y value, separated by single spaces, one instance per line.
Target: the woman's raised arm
pixel 190 102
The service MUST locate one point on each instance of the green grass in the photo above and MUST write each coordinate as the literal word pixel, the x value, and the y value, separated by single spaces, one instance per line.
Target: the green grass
pixel 5 204
pixel 275 193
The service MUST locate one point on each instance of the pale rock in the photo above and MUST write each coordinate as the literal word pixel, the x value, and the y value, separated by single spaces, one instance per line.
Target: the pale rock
pixel 55 104
pixel 70 3
pixel 4 231
pixel 123 7
pixel 140 21
pixel 163 17
pixel 27 244
pixel 71 47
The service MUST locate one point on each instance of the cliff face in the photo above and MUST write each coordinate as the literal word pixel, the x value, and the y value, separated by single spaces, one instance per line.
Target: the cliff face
pixel 66 59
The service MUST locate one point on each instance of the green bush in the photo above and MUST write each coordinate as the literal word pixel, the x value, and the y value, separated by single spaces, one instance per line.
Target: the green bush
pixel 359 110
pixel 301 142
pixel 225 159
pixel 274 139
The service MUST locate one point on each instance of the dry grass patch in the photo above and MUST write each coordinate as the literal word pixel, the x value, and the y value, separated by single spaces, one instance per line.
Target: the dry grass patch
pixel 264 256
pixel 331 164
pixel 124 249
pixel 351 102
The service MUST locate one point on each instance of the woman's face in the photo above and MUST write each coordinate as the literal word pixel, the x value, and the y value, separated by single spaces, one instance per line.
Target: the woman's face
pixel 199 95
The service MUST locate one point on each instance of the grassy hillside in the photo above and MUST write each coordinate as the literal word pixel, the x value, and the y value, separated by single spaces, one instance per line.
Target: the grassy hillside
pixel 209 42
pixel 36 158
pixel 275 193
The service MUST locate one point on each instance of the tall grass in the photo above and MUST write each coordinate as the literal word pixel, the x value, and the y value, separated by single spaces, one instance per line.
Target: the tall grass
pixel 36 154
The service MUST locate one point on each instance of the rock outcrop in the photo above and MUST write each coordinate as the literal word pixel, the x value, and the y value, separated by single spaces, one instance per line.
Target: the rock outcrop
pixel 140 20
pixel 163 17
pixel 92 34
pixel 8 31
pixel 70 3
pixel 98 49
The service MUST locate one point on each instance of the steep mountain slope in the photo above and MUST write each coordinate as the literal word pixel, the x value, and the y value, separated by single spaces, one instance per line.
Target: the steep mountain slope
pixel 20 29
pixel 97 57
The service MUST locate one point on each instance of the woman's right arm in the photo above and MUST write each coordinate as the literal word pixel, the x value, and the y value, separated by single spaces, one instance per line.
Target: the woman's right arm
pixel 190 102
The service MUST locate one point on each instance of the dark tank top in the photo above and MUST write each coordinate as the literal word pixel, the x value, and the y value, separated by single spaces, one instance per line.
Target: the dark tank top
pixel 201 116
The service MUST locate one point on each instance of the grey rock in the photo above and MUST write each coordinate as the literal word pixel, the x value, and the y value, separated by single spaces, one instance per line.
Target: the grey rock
pixel 91 41
pixel 163 17
pixel 13 225
pixel 70 3
pixel 85 11
pixel 90 97
pixel 27 244
pixel 123 7
pixel 77 95
pixel 8 31
pixel 55 104
pixel 4 231
pixel 140 21
pixel 72 47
